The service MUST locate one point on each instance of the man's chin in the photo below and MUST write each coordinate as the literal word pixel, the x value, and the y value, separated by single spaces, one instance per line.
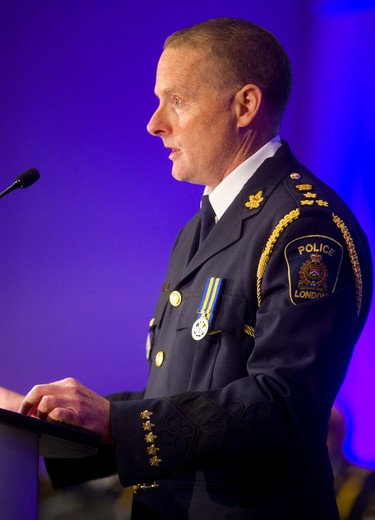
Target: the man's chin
pixel 178 175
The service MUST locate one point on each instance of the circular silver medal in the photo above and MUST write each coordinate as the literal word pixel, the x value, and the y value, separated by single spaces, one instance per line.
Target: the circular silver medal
pixel 199 329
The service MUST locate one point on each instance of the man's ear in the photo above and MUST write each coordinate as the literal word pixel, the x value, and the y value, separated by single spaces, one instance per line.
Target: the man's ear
pixel 247 104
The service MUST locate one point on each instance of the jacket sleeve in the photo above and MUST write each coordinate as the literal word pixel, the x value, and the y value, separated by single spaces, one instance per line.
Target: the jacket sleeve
pixel 65 472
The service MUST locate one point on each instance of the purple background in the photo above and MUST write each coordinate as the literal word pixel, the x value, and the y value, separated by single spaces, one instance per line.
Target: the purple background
pixel 84 251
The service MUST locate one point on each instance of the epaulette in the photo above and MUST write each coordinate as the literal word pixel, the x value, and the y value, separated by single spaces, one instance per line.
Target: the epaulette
pixel 305 193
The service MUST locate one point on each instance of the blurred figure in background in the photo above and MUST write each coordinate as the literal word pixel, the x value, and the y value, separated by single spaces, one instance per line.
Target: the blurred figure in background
pixel 354 485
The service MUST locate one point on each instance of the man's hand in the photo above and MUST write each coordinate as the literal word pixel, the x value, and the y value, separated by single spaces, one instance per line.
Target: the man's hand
pixel 69 402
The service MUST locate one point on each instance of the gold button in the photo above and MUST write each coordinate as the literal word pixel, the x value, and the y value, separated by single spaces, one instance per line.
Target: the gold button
pixel 152 322
pixel 159 358
pixel 175 298
pixel 295 176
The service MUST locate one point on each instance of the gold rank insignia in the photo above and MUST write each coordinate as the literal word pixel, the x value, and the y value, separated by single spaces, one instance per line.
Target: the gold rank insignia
pixel 308 192
pixel 255 200
pixel 146 415
pixel 304 187
pixel 152 450
pixel 150 439
pixel 319 202
pixel 147 426
pixel 154 461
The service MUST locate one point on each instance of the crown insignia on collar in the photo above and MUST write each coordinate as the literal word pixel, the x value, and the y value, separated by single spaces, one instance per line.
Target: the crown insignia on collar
pixel 255 200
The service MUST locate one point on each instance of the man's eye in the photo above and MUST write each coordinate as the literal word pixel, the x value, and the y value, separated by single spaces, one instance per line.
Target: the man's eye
pixel 177 102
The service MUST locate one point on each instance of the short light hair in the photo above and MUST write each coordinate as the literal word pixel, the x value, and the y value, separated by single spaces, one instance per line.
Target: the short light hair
pixel 243 53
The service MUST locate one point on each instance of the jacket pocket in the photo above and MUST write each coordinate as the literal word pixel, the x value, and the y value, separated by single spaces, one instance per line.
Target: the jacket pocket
pixel 228 316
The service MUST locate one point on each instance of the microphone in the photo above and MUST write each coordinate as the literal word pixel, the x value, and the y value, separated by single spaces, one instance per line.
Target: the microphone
pixel 23 180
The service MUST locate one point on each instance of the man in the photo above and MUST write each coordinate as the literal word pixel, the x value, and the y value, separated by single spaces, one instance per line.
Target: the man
pixel 256 322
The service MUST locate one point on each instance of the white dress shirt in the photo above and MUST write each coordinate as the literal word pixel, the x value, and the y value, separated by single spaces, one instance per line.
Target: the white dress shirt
pixel 225 192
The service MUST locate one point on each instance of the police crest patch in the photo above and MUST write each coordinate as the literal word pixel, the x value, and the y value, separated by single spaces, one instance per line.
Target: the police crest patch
pixel 313 263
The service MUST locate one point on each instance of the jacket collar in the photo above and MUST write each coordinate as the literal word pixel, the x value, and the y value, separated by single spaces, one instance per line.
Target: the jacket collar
pixel 247 204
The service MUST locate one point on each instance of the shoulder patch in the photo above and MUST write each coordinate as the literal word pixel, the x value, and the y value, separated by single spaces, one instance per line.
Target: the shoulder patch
pixel 313 263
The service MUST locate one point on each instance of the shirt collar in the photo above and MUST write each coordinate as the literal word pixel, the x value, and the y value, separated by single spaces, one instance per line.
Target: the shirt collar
pixel 225 192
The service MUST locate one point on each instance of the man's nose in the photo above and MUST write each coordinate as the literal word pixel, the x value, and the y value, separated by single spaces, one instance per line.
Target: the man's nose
pixel 157 124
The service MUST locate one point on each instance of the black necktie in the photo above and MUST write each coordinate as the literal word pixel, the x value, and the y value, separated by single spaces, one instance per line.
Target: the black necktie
pixel 207 218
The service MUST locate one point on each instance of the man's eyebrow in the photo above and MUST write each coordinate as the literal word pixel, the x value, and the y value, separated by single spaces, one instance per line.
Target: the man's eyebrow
pixel 173 90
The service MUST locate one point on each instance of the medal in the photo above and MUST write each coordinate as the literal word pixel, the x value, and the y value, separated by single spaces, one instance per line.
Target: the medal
pixel 200 329
pixel 207 307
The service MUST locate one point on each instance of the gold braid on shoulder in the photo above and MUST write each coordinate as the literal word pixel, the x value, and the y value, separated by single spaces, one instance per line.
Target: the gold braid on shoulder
pixel 265 256
pixel 353 259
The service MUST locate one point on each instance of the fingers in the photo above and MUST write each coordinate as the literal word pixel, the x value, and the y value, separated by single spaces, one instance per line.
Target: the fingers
pixel 54 408
pixel 70 402
pixel 41 399
pixel 64 415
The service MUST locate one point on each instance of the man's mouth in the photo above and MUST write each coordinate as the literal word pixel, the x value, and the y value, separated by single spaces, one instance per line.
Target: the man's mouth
pixel 174 153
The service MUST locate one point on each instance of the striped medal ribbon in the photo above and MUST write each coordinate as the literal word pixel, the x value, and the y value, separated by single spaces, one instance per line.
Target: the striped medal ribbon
pixel 207 307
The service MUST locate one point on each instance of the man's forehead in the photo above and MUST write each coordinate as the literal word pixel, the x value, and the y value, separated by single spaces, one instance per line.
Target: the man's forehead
pixel 175 68
pixel 179 59
pixel 178 66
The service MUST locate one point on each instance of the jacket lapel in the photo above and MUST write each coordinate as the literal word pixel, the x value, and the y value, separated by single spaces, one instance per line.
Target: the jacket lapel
pixel 228 230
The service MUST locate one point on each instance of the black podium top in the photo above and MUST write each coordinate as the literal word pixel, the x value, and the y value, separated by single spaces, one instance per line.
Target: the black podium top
pixel 55 440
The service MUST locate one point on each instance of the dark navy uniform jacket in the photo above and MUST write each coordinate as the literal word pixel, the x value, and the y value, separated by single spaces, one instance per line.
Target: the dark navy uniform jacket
pixel 234 425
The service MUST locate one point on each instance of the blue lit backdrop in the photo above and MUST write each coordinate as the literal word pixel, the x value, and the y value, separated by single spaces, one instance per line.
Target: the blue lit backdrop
pixel 84 251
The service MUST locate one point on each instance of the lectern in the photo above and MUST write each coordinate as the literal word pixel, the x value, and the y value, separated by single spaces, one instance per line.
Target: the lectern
pixel 22 440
